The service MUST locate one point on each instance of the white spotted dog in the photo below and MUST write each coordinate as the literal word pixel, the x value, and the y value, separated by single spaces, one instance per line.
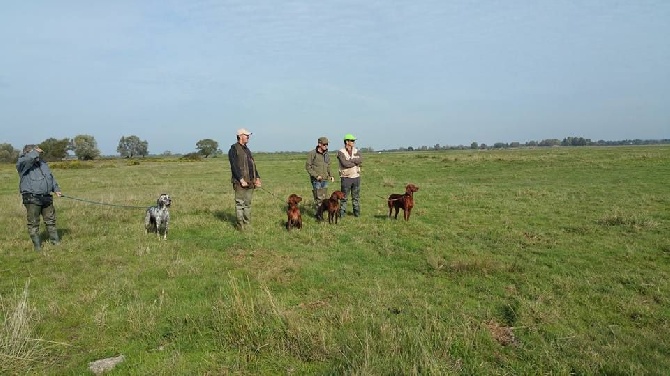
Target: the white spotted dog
pixel 158 217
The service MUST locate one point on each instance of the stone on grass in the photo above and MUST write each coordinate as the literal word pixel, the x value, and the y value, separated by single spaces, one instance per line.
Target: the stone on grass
pixel 104 365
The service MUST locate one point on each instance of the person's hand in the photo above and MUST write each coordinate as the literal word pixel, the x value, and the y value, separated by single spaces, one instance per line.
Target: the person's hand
pixel 332 179
pixel 37 149
pixel 243 183
pixel 319 178
pixel 58 194
pixel 257 182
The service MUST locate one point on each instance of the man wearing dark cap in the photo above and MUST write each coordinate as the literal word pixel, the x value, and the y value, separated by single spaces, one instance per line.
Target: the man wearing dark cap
pixel 245 177
pixel 318 168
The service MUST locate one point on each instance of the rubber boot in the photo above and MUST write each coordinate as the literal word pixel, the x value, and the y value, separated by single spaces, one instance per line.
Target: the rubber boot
pixel 317 203
pixel 53 236
pixel 343 208
pixel 320 195
pixel 239 214
pixel 247 215
pixel 37 243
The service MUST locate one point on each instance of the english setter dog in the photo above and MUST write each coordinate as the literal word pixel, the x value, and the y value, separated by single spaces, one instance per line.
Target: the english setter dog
pixel 158 217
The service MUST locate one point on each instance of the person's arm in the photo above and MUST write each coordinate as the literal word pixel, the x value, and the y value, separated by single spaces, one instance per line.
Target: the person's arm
pixel 234 168
pixel 257 181
pixel 309 165
pixel 358 161
pixel 57 190
pixel 56 187
pixel 327 161
pixel 26 161
pixel 344 162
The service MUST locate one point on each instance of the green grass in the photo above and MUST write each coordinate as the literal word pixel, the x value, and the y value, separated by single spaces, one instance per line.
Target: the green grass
pixel 545 261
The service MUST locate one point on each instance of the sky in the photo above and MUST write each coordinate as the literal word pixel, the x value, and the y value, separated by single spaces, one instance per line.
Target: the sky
pixel 393 73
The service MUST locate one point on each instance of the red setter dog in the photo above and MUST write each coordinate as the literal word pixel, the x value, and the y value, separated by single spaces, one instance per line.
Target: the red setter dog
pixel 293 212
pixel 332 206
pixel 403 201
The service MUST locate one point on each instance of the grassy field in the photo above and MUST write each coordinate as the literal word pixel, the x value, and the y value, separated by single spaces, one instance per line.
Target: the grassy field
pixel 545 261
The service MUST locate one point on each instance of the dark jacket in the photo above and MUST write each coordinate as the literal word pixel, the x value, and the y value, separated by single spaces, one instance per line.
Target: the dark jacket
pixel 242 164
pixel 35 175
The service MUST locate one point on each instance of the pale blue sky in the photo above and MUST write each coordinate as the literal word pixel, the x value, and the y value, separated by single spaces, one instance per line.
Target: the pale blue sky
pixel 394 73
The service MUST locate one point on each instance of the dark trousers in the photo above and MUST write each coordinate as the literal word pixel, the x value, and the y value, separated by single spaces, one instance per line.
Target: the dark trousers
pixel 353 186
pixel 48 213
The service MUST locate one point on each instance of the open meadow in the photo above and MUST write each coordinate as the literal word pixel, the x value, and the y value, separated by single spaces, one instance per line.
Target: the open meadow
pixel 531 261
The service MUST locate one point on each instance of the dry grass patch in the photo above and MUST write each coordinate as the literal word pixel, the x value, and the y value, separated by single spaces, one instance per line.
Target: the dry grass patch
pixel 504 335
pixel 19 350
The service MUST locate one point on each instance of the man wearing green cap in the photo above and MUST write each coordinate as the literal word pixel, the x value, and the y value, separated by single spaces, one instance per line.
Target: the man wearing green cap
pixel 318 168
pixel 350 174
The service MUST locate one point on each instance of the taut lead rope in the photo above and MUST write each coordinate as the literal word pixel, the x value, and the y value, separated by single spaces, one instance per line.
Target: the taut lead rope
pixel 103 203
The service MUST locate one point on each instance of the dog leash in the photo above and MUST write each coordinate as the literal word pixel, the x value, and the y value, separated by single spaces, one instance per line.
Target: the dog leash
pixel 270 193
pixel 103 203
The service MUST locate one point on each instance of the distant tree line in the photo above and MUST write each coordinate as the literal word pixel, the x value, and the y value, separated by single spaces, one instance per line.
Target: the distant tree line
pixel 85 148
pixel 568 141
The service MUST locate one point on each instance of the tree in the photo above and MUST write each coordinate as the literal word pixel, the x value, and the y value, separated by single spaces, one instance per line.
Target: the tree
pixel 53 149
pixel 131 146
pixel 207 147
pixel 143 149
pixel 8 153
pixel 85 147
pixel 550 142
pixel 474 145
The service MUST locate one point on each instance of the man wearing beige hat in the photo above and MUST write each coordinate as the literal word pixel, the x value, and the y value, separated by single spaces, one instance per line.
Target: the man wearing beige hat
pixel 245 177
pixel 318 168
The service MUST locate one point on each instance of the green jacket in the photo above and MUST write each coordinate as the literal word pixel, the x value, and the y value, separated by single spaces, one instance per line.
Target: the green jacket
pixel 318 164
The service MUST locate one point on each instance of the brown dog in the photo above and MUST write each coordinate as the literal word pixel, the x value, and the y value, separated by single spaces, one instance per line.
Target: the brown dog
pixel 294 218
pixel 332 206
pixel 403 201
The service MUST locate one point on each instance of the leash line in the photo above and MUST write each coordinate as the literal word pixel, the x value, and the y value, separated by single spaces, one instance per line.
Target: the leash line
pixel 103 203
pixel 270 193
